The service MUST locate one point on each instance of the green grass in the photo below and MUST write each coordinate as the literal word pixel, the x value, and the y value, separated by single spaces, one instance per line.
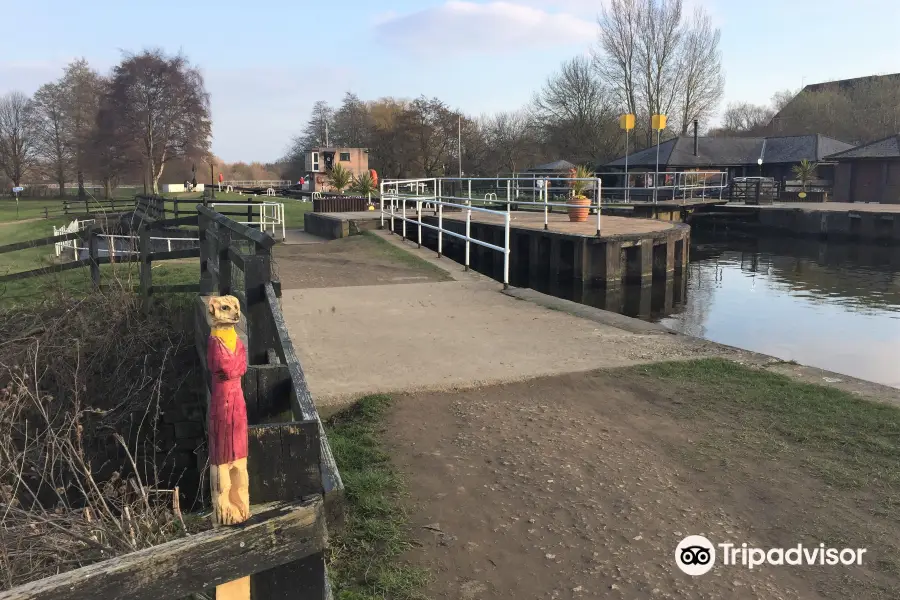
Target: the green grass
pixel 402 256
pixel 31 208
pixel 365 562
pixel 849 442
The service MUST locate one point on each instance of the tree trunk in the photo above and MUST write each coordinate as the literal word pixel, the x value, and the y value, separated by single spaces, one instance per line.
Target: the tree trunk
pixel 61 180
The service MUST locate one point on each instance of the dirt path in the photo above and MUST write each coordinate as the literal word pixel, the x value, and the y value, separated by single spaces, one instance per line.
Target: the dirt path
pixel 582 485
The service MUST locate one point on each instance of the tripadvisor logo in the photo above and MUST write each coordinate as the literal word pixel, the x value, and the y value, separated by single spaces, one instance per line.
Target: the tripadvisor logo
pixel 696 555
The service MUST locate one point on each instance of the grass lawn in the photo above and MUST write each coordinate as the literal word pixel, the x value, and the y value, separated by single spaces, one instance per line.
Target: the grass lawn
pixel 754 425
pixel 365 555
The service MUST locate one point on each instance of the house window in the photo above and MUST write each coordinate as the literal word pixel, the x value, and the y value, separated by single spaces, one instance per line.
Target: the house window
pixel 345 157
pixel 315 162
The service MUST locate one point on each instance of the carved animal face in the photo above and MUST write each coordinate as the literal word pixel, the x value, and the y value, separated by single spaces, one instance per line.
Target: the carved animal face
pixel 225 310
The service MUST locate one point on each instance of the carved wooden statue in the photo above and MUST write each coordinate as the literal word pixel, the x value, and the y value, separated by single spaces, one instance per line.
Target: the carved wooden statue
pixel 226 360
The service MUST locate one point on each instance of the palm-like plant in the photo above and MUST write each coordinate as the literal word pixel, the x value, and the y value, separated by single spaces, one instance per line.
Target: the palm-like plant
pixel 339 177
pixel 363 185
pixel 578 175
pixel 805 171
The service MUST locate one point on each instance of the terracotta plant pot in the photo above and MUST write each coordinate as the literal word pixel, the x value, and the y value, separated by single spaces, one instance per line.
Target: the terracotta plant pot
pixel 579 215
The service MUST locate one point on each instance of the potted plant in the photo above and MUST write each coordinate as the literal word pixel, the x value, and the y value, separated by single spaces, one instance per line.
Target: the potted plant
pixel 805 172
pixel 579 213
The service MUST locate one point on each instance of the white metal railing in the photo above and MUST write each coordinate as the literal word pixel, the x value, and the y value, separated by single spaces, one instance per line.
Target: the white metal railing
pixel 111 249
pixel 392 197
pixel 76 225
pixel 271 214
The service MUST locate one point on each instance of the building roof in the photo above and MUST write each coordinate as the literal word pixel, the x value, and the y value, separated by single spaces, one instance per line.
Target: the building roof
pixel 845 84
pixel 557 165
pixel 734 151
pixel 888 147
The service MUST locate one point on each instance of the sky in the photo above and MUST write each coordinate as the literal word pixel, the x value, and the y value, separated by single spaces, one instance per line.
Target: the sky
pixel 266 62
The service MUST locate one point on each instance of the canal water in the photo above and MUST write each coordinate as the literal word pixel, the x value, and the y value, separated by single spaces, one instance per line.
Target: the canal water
pixel 833 306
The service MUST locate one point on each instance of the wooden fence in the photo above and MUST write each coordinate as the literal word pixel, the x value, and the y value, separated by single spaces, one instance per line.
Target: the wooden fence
pixel 295 486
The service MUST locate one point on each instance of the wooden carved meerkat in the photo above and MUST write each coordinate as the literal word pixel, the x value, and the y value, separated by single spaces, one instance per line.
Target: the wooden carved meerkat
pixel 226 360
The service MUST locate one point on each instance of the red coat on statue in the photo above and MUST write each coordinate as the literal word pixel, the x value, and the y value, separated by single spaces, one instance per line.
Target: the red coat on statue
pixel 227 409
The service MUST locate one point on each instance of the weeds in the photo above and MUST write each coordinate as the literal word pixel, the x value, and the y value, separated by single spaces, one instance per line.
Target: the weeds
pixel 81 382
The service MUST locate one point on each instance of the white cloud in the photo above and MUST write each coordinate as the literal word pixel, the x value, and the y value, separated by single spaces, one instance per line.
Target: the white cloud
pixel 459 27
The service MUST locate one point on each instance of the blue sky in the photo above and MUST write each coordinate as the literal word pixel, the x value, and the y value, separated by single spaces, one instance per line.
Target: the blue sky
pixel 267 61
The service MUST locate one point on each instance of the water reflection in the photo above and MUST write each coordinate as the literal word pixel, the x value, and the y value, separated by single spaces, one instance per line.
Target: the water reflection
pixel 834 306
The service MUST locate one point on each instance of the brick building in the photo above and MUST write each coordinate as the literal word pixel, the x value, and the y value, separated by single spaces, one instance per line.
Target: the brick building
pixel 319 161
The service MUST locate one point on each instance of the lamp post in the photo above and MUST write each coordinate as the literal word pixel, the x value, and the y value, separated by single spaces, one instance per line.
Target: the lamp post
pixel 658 122
pixel 626 122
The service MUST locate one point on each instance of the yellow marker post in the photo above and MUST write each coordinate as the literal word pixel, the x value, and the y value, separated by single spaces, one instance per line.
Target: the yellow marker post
pixel 626 122
pixel 657 122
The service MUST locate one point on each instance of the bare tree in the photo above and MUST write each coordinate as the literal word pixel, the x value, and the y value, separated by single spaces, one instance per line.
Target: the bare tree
pixel 700 64
pixel 83 87
pixel 429 129
pixel 512 140
pixel 18 138
pixel 52 139
pixel 577 114
pixel 163 105
pixel 616 58
pixel 743 119
pixel 659 44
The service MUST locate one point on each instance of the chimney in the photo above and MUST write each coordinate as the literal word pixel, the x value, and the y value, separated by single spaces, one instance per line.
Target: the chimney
pixel 696 141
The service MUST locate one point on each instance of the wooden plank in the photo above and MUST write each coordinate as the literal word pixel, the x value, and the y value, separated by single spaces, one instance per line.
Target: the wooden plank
pixel 275 534
pixel 93 252
pixel 176 233
pixel 305 409
pixel 254 235
pixel 45 270
pixel 236 257
pixel 146 276
pixel 260 333
pixel 176 222
pixel 283 461
pixel 305 578
pixel 173 254
pixel 40 242
pixel 250 385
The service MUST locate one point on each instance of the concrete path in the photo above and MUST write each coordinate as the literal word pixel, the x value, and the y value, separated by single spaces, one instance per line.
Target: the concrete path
pixel 456 334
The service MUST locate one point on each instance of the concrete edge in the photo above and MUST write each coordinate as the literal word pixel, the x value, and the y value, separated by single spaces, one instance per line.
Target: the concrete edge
pixel 587 312
pixel 452 268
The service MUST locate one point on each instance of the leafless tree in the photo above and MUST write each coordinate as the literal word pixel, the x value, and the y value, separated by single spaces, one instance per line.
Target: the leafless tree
pixel 659 46
pixel 52 141
pixel 352 125
pixel 513 141
pixel 576 114
pixel 18 137
pixel 430 130
pixel 700 64
pixel 162 103
pixel 743 119
pixel 83 87
pixel 616 57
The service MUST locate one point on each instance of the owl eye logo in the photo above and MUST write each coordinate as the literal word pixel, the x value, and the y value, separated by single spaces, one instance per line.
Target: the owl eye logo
pixel 695 555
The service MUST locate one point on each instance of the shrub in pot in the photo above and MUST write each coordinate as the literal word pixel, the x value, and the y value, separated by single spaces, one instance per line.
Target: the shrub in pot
pixel 579 213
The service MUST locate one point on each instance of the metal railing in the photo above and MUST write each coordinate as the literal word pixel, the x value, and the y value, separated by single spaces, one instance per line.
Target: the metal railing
pixel 271 215
pixel 394 207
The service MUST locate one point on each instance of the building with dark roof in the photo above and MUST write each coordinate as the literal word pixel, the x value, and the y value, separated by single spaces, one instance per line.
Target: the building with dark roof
pixel 557 166
pixel 869 173
pixel 738 156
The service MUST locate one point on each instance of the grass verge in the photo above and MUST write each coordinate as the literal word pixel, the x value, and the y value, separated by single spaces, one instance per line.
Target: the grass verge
pixel 365 556
pixel 407 258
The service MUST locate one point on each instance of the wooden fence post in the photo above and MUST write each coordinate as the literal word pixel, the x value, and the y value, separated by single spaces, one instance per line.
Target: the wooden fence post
pixel 250 212
pixel 206 280
pixel 46 214
pixel 93 254
pixel 146 266
pixel 65 207
pixel 175 202
pixel 224 261
pixel 259 327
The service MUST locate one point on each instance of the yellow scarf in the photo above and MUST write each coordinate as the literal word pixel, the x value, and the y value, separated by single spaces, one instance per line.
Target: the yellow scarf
pixel 228 336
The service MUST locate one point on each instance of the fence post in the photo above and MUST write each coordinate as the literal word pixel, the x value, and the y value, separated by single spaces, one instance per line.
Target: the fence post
pixel 599 206
pixel 46 214
pixel 86 206
pixel 440 228
pixel 404 218
pixel 146 266
pixel 419 213
pixel 175 202
pixel 250 212
pixel 257 274
pixel 93 252
pixel 224 262
pixel 65 207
